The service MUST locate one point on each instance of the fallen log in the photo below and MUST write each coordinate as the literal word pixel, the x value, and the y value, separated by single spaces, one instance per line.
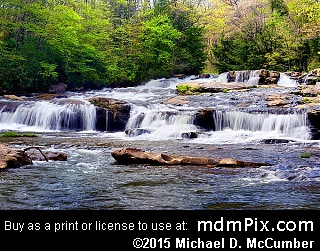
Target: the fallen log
pixel 138 156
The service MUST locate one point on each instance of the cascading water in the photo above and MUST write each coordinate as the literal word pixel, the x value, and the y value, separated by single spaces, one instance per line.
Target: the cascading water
pixel 243 76
pixel 223 77
pixel 286 81
pixel 107 120
pixel 152 118
pixel 159 122
pixel 253 78
pixel 293 124
pixel 60 114
pixel 249 77
pixel 216 125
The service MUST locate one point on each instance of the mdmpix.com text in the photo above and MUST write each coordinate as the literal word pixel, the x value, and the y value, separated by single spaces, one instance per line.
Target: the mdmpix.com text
pixel 254 224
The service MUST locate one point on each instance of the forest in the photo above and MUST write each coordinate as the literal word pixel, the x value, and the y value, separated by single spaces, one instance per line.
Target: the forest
pixel 114 43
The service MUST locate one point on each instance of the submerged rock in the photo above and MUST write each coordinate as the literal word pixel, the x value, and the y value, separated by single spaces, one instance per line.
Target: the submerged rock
pixel 138 156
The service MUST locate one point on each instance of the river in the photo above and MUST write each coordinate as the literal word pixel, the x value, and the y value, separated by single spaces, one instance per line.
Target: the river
pixel 91 179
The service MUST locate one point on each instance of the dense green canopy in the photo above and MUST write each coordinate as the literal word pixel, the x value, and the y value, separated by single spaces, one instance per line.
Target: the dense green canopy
pixel 97 43
pixel 89 44
pixel 281 35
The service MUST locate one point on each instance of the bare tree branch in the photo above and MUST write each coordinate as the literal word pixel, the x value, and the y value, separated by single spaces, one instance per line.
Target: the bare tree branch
pixel 36 147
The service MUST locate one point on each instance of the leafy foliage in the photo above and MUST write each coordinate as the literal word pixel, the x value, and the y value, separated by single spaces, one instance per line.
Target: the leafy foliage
pixel 92 44
pixel 281 35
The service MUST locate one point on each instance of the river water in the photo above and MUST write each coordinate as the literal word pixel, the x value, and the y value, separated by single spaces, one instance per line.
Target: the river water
pixel 92 179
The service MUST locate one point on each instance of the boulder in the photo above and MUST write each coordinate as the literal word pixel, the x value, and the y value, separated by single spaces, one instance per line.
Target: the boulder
pixel 13 157
pixel 204 119
pixel 112 111
pixel 204 75
pixel 45 156
pixel 138 156
pixel 58 88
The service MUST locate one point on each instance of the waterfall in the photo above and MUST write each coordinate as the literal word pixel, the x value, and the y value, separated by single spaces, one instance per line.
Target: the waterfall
pixel 286 81
pixel 292 124
pixel 223 77
pixel 250 77
pixel 107 120
pixel 156 114
pixel 60 114
pixel 253 78
pixel 160 123
pixel 241 76
pixel 160 83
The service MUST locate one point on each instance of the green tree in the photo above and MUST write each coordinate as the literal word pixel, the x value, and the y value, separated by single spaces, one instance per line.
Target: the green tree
pixel 305 22
pixel 159 45
pixel 189 54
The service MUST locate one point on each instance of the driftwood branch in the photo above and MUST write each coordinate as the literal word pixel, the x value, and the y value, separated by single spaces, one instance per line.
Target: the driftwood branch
pixel 38 148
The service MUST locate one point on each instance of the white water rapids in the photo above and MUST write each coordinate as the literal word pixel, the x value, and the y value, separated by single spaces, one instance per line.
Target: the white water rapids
pixel 152 119
pixel 238 125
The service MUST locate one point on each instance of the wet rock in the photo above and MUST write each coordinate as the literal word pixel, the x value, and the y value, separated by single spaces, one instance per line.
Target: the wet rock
pixel 314 120
pixel 308 90
pixel 204 75
pixel 138 156
pixel 9 106
pixel 13 157
pixel 179 76
pixel 189 135
pixel 13 97
pixel 268 77
pixel 55 156
pixel 275 141
pixel 112 114
pixel 313 116
pixel 278 100
pixel 204 119
pixel 136 132
pixel 58 88
pixel 178 100
pixel 49 96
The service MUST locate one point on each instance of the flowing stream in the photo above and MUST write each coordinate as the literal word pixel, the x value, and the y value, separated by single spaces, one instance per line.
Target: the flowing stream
pixel 91 179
